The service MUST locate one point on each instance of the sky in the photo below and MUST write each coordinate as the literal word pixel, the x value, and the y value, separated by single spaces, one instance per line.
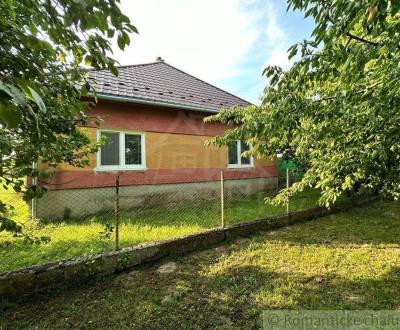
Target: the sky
pixel 227 43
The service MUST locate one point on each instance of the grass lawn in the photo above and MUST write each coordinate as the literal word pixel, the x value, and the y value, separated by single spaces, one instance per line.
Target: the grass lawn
pixel 82 237
pixel 344 261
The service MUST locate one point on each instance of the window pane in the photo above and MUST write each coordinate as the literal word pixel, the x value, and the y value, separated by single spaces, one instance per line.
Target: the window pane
pixel 232 153
pixel 133 149
pixel 110 150
pixel 244 147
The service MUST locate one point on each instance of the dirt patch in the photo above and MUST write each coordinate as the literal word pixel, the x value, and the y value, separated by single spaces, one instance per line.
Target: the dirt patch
pixel 169 267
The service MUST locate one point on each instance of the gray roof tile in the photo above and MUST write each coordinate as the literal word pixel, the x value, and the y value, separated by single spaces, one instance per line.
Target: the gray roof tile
pixel 161 82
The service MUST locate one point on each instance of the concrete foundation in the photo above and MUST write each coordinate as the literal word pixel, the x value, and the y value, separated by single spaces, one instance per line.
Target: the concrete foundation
pixel 75 203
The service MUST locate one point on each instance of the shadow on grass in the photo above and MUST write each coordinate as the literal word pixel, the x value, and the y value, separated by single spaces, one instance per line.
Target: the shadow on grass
pixel 231 298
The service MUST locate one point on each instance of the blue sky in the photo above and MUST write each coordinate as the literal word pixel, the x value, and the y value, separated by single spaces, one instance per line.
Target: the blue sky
pixel 224 42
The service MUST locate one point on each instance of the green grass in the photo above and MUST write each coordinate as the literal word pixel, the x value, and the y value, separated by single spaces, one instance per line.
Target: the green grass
pixel 81 237
pixel 349 260
pixel 21 209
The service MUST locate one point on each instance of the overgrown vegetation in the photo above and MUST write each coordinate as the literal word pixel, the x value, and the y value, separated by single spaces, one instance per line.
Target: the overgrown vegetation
pixel 343 261
pixel 79 237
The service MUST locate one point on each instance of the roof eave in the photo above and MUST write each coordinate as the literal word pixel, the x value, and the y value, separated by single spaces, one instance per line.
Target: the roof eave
pixel 151 102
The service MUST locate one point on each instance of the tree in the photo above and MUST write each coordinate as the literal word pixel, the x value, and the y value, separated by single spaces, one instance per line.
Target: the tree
pixel 338 105
pixel 44 44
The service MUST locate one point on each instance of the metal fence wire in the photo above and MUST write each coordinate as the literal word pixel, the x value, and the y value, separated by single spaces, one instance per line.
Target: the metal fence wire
pixel 127 214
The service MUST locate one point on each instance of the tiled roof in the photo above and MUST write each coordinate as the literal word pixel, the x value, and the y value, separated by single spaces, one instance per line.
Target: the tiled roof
pixel 162 83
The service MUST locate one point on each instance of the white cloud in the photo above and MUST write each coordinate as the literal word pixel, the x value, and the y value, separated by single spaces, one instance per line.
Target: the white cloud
pixel 224 42
pixel 279 57
pixel 275 33
pixel 207 38
pixel 276 40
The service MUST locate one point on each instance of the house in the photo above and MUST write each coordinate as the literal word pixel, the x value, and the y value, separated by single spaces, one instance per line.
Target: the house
pixel 153 122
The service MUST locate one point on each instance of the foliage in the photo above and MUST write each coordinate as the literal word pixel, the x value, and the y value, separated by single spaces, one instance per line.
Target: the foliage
pixel 337 107
pixel 107 232
pixel 296 170
pixel 43 46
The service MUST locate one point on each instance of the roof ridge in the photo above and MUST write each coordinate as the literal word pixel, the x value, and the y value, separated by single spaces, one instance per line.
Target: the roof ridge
pixel 123 66
pixel 141 64
pixel 207 83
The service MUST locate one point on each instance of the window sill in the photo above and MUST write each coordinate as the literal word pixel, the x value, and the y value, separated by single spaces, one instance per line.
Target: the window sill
pixel 240 166
pixel 117 169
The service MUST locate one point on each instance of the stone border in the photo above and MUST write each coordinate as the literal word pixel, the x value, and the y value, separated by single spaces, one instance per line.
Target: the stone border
pixel 19 284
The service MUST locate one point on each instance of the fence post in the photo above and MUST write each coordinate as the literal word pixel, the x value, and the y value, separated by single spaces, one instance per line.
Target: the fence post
pixel 34 199
pixel 222 200
pixel 33 208
pixel 117 213
pixel 287 186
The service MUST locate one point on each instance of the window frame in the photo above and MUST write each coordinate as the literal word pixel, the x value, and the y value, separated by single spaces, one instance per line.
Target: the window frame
pixel 239 157
pixel 122 166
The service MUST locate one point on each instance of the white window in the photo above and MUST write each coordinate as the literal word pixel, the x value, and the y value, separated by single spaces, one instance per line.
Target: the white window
pixel 121 151
pixel 235 158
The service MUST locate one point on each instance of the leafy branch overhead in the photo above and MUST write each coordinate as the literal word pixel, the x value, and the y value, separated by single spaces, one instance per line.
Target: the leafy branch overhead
pixel 337 108
pixel 44 45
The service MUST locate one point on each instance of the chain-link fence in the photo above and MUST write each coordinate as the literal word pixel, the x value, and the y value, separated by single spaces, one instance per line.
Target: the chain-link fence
pixel 91 220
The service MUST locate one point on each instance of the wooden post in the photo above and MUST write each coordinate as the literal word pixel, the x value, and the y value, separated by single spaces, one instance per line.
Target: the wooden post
pixel 117 213
pixel 222 201
pixel 287 186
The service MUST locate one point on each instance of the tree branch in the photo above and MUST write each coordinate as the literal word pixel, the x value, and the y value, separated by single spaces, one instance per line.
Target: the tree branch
pixel 352 36
pixel 348 34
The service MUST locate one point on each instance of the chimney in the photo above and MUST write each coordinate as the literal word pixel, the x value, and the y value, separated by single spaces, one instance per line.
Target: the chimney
pixel 159 59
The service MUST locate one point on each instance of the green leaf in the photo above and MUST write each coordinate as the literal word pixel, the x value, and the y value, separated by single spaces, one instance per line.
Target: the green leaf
pixel 10 115
pixel 292 51
pixel 88 60
pixel 113 70
pixel 37 99
pixel 133 28
pixel 355 20
pixel 15 93
pixel 395 6
pixel 121 41
pixel 110 33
